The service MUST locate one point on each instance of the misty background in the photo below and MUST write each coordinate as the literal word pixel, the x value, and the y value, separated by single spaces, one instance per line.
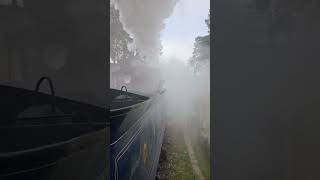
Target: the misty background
pixel 165 44
pixel 139 60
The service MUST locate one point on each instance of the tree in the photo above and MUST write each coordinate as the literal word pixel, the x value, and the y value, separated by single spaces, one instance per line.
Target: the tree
pixel 207 21
pixel 119 39
pixel 201 50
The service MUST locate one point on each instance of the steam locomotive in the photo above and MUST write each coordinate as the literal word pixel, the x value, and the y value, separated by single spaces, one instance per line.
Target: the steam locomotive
pixel 137 128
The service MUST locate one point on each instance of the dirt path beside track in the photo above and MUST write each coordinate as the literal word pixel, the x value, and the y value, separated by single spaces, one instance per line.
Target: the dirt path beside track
pixel 194 161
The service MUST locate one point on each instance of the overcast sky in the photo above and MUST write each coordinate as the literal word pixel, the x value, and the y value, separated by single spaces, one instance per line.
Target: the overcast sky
pixel 182 27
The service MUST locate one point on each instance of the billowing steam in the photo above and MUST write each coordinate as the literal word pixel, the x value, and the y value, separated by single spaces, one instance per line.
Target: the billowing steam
pixel 187 96
pixel 144 20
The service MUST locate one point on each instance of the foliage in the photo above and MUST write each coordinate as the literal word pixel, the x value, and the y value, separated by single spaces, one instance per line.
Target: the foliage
pixel 207 21
pixel 119 39
pixel 201 50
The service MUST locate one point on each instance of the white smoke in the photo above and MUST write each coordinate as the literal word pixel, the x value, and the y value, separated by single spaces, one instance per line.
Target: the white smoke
pixel 188 95
pixel 144 20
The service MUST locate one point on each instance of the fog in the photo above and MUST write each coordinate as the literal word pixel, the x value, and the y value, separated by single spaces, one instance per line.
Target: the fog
pixel 181 89
pixel 187 93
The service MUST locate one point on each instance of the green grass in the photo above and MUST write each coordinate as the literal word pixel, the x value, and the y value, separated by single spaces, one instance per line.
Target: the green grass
pixel 183 168
pixel 202 156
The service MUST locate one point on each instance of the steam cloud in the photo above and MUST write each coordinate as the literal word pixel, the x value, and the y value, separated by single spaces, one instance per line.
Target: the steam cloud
pixel 144 20
pixel 187 94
